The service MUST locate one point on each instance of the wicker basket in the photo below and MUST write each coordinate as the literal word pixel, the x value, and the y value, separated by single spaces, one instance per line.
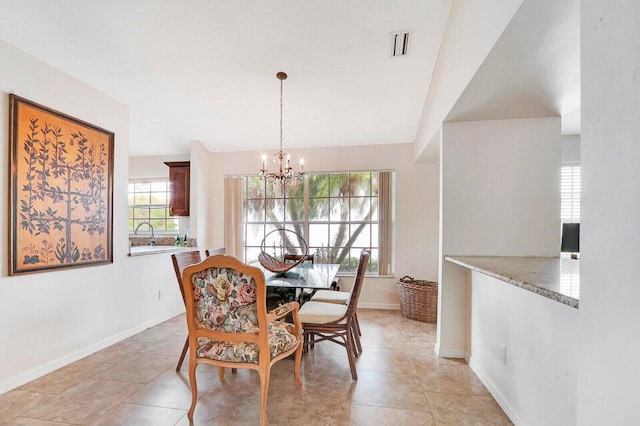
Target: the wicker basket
pixel 418 299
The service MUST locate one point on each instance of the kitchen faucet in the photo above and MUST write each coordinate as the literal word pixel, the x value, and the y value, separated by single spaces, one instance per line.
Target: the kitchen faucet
pixel 153 237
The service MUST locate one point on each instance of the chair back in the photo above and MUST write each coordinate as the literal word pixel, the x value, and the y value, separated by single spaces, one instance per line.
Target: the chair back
pixel 357 285
pixel 290 258
pixel 226 301
pixel 181 260
pixel 211 252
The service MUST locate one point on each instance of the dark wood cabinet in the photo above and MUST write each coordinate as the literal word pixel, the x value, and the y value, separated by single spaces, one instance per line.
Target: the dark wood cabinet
pixel 179 175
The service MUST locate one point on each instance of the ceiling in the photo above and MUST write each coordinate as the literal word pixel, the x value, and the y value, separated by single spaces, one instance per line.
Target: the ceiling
pixel 532 71
pixel 206 69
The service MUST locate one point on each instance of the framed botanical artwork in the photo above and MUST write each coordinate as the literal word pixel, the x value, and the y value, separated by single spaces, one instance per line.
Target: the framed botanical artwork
pixel 61 190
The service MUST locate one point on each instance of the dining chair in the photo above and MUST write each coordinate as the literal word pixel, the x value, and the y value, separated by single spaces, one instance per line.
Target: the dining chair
pixel 181 260
pixel 229 326
pixel 335 322
pixel 211 252
pixel 339 297
pixel 296 257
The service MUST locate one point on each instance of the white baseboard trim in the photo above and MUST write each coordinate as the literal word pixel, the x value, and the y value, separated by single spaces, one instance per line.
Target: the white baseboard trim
pixel 387 306
pixel 449 353
pixel 60 362
pixel 502 401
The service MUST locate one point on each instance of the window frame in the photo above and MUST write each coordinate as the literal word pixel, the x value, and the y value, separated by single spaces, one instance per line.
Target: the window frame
pixel 166 217
pixel 373 219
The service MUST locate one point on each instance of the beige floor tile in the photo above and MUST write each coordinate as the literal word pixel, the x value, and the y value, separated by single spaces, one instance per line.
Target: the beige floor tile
pixel 389 390
pixel 386 361
pixel 456 409
pixel 139 415
pixel 117 352
pixel 84 402
pixel 154 334
pixel 66 377
pixel 171 390
pixel 138 368
pixel 26 421
pixel 364 415
pixel 227 408
pixel 17 402
pixel 401 382
pixel 452 378
pixel 171 344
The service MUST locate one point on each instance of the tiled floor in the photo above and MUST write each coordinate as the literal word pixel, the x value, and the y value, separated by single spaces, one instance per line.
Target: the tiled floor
pixel 401 382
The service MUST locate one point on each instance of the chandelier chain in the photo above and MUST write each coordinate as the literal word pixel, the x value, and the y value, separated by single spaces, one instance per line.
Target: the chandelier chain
pixel 281 115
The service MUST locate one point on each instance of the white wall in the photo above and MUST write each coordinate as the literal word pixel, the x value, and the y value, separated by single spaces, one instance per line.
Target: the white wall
pixel 416 206
pixel 537 385
pixel 152 166
pixel 53 318
pixel 472 30
pixel 200 197
pixel 500 197
pixel 610 243
pixel 570 153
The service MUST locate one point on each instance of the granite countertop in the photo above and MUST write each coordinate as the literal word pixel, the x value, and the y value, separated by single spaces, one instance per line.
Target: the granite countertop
pixel 557 278
pixel 145 250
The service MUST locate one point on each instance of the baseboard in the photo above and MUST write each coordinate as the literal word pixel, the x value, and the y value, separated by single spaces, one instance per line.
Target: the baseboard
pixel 502 401
pixel 81 353
pixel 449 353
pixel 387 306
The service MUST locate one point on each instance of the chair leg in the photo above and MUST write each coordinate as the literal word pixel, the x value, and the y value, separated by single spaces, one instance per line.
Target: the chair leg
pixel 297 365
pixel 350 354
pixel 194 389
pixel 264 390
pixel 356 339
pixel 184 352
pixel 355 316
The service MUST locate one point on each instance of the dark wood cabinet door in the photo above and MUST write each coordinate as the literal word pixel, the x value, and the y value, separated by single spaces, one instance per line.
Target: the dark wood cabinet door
pixel 179 175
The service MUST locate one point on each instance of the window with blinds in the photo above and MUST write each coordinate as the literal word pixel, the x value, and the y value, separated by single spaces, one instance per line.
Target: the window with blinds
pixel 570 187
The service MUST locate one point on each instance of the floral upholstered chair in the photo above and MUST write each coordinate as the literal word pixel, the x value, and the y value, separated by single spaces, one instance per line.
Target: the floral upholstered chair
pixel 229 325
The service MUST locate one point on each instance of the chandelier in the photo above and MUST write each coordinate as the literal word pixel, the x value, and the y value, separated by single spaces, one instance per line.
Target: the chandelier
pixel 285 173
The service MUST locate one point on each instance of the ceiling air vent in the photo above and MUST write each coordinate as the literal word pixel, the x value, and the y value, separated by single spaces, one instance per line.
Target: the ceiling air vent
pixel 399 43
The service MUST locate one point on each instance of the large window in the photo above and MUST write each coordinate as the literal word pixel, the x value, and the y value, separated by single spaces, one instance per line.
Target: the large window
pixel 337 214
pixel 149 202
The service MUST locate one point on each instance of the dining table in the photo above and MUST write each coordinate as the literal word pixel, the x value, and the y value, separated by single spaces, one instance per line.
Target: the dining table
pixel 312 276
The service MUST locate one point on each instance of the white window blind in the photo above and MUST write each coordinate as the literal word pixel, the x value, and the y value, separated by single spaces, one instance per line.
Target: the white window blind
pixel 570 187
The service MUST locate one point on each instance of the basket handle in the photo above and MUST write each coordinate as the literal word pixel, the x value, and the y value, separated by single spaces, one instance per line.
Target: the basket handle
pixel 407 279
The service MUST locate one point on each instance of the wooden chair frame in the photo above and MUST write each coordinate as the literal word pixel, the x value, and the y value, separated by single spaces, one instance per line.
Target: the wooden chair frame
pixel 265 361
pixel 343 331
pixel 180 261
pixel 211 252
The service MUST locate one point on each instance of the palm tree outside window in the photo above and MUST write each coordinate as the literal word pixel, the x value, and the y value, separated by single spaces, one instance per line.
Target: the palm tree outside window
pixel 338 215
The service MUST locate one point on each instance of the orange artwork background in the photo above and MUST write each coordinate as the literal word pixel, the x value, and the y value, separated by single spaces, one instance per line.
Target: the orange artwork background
pixel 61 190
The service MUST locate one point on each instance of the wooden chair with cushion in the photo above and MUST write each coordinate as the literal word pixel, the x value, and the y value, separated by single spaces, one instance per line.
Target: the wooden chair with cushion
pixel 229 325
pixel 181 260
pixel 339 297
pixel 335 322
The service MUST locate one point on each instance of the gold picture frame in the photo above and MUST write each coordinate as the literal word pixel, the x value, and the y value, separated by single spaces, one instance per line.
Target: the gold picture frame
pixel 61 190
